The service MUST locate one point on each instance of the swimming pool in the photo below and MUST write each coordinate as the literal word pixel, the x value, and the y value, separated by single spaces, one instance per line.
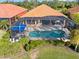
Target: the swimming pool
pixel 47 34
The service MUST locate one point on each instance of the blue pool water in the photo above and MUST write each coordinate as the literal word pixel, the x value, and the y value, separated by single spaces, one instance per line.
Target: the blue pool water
pixel 47 34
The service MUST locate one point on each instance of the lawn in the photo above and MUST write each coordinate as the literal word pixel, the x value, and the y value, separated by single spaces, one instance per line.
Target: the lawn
pixel 12 50
pixel 57 53
pixel 16 50
pixel 2 33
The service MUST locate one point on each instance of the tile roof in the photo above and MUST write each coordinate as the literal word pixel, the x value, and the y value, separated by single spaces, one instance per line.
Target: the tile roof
pixel 10 10
pixel 74 10
pixel 41 11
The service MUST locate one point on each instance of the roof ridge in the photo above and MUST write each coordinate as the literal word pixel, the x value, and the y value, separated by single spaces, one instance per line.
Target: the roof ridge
pixel 40 10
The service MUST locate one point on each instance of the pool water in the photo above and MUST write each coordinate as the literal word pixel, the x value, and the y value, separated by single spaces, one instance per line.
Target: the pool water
pixel 47 34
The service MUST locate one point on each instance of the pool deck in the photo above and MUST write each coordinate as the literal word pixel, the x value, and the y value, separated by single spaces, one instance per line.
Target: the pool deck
pixel 33 38
pixel 47 28
pixel 63 39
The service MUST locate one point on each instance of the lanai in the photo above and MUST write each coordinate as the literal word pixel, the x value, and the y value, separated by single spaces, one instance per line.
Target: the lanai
pixel 43 12
pixel 45 15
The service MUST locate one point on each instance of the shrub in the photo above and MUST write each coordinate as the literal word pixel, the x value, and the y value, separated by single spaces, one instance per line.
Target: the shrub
pixel 64 10
pixel 36 43
pixel 75 38
pixel 78 49
pixel 6 36
pixel 10 49
pixel 57 42
pixel 75 17
pixel 24 42
pixel 6 48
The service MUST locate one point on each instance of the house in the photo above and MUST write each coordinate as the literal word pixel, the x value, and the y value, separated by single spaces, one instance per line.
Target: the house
pixel 11 12
pixel 45 22
pixel 45 15
pixel 73 14
pixel 40 22
pixel 73 10
pixel 40 13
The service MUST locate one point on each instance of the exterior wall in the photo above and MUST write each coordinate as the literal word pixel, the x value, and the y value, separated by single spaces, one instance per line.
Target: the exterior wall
pixel 66 22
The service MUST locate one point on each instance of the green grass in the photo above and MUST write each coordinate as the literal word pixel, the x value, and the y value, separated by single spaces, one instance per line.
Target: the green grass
pixel 57 53
pixel 12 50
pixel 25 56
pixel 2 33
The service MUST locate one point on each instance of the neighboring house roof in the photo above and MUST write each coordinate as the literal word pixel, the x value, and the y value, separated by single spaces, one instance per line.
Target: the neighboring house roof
pixel 74 10
pixel 10 10
pixel 41 11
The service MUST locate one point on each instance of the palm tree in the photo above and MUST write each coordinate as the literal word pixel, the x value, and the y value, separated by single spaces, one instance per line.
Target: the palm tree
pixel 55 2
pixel 4 24
pixel 75 38
pixel 35 2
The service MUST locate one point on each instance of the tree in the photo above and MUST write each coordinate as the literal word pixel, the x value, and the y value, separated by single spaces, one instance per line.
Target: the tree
pixel 77 1
pixel 4 24
pixel 55 2
pixel 75 38
pixel 75 17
